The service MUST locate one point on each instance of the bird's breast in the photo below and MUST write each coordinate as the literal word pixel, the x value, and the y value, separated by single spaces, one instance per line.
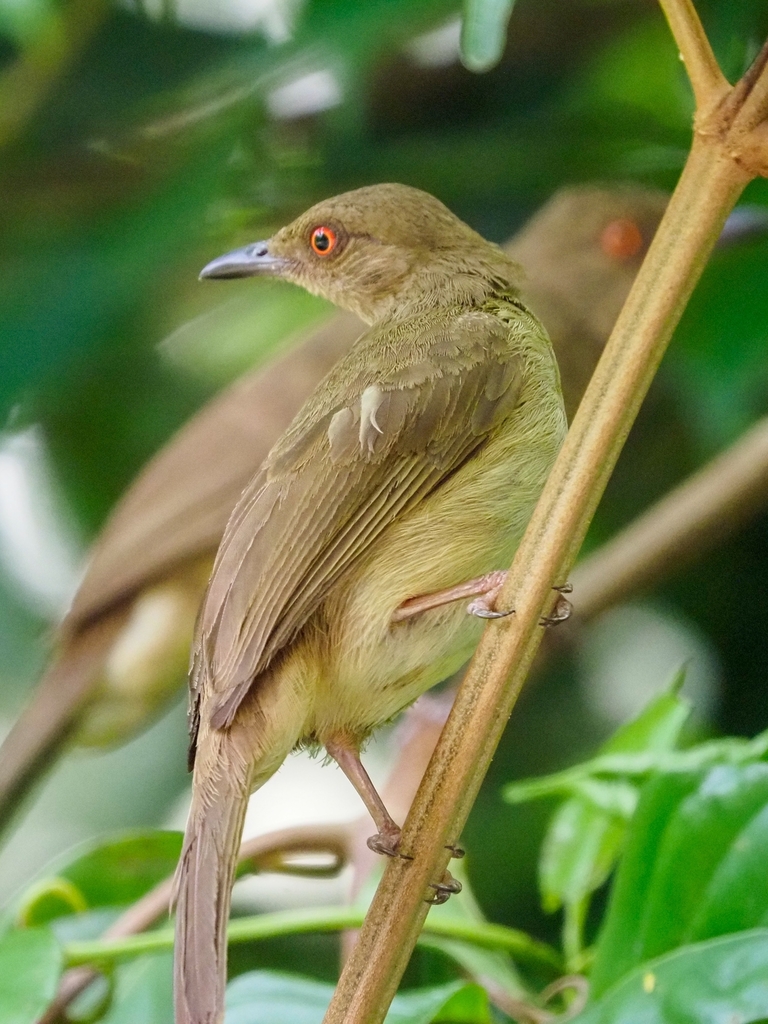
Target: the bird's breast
pixel 468 526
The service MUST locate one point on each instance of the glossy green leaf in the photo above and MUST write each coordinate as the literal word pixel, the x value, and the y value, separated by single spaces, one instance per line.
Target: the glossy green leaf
pixel 30 966
pixel 587 831
pixel 122 870
pixel 109 874
pixel 266 997
pixel 693 850
pixel 722 981
pixel 657 727
pixel 737 895
pixel 583 841
pixel 484 32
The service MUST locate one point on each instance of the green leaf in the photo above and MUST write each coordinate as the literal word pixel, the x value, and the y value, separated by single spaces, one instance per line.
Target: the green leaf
pixel 484 32
pixel 267 997
pixel 737 896
pixel 143 992
pixel 721 981
pixel 631 750
pixel 122 870
pixel 691 869
pixel 587 832
pixel 108 874
pixel 30 966
pixel 583 841
pixel 657 727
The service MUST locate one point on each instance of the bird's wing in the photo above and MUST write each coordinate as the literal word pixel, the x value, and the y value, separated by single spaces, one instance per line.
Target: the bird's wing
pixel 340 475
pixel 179 504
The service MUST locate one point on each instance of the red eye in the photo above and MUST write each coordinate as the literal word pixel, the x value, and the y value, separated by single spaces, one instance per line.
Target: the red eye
pixel 323 240
pixel 621 239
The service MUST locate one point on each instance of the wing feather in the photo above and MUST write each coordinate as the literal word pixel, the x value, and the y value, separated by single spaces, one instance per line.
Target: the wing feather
pixel 342 473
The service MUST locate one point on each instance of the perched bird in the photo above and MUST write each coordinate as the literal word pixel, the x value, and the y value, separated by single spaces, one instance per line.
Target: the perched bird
pixel 122 649
pixel 410 472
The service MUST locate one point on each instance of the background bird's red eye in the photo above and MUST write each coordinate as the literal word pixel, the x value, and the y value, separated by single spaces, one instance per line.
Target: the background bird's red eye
pixel 323 240
pixel 621 239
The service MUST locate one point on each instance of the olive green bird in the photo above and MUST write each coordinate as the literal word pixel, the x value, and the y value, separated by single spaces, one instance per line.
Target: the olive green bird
pixel 121 653
pixel 410 473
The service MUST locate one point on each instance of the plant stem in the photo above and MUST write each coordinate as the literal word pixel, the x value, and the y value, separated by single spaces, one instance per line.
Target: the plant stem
pixel 709 186
pixel 324 919
pixel 707 80
pixel 573 932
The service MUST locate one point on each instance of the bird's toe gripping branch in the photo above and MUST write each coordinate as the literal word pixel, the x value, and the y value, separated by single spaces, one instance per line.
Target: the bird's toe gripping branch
pixel 449 886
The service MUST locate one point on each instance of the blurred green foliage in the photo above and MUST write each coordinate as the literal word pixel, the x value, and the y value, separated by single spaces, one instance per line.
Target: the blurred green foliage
pixel 139 140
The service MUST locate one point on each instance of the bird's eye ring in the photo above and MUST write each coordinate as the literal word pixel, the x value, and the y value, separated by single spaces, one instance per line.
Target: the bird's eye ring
pixel 323 240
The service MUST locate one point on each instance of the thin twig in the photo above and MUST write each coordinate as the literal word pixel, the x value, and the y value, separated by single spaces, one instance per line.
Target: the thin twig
pixel 319 919
pixel 710 184
pixel 691 518
pixel 707 80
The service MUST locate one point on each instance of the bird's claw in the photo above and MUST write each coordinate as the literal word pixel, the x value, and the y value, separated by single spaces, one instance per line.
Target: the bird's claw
pixel 456 851
pixel 561 611
pixel 480 608
pixel 387 843
pixel 443 891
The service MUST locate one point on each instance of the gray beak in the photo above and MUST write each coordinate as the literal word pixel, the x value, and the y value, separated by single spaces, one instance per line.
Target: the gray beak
pixel 250 261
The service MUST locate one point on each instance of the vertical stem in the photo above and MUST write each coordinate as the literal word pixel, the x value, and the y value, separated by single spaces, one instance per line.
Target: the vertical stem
pixel 707 191
pixel 574 915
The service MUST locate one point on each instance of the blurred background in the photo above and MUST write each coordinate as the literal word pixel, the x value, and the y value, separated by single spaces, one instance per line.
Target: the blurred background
pixel 140 140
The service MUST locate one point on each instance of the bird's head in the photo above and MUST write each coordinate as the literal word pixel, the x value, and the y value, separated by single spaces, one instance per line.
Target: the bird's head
pixel 379 251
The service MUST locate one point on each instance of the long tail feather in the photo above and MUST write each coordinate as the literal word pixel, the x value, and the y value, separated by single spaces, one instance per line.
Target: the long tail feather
pixel 204 880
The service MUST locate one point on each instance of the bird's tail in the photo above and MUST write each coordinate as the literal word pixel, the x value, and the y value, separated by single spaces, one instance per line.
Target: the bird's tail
pixel 53 713
pixel 204 880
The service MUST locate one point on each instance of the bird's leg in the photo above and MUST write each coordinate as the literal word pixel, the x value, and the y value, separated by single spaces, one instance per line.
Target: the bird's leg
pixel 485 589
pixel 347 757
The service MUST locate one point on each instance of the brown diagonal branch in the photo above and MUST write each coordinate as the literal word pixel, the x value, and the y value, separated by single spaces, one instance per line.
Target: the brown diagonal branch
pixel 707 80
